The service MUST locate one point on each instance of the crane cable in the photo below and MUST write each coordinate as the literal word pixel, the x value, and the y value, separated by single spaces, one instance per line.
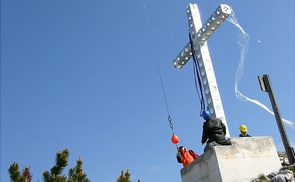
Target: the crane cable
pixel 159 72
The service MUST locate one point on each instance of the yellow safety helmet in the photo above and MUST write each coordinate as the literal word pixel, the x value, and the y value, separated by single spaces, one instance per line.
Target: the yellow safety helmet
pixel 243 128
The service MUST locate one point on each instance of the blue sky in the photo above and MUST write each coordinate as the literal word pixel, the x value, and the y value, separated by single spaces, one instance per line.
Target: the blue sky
pixel 83 75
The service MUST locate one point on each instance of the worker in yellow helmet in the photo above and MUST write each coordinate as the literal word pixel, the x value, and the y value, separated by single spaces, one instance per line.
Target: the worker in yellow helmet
pixel 244 131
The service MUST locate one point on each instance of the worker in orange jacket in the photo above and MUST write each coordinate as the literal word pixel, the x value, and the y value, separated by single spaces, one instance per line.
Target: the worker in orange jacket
pixel 185 156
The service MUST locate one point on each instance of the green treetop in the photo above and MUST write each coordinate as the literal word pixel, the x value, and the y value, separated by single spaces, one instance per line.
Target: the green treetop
pixel 76 174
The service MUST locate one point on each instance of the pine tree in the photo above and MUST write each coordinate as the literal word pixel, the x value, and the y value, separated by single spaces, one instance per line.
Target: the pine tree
pixel 76 174
pixel 16 176
pixel 124 177
pixel 61 161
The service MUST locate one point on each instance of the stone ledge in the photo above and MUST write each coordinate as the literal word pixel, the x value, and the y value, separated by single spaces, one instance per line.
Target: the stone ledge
pixel 244 160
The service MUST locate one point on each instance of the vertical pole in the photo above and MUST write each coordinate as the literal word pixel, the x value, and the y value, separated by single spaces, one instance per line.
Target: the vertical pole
pixel 268 88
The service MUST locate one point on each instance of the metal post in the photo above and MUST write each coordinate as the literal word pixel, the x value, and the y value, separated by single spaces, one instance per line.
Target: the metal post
pixel 265 85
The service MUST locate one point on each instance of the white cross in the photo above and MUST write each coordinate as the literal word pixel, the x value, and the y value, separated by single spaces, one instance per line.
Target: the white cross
pixel 200 34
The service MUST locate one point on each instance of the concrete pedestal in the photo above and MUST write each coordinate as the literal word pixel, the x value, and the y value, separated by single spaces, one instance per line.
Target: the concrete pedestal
pixel 243 161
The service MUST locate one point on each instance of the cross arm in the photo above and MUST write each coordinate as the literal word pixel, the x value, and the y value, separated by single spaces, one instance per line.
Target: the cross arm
pixel 183 57
pixel 200 33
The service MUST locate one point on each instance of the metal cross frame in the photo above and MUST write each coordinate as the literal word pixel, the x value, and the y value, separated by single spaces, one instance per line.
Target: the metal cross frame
pixel 199 35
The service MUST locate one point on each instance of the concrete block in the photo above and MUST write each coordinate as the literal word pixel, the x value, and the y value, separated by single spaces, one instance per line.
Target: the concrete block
pixel 243 161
